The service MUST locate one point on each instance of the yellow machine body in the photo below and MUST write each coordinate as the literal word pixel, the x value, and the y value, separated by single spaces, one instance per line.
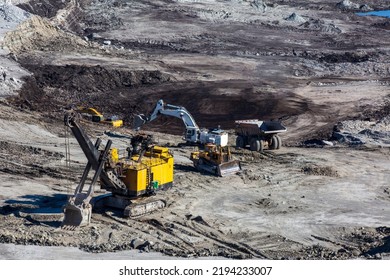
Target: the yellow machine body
pixel 114 123
pixel 152 172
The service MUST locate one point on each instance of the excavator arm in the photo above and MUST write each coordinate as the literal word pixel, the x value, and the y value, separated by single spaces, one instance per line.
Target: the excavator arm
pixel 90 150
pixel 192 129
pixel 92 154
pixel 78 210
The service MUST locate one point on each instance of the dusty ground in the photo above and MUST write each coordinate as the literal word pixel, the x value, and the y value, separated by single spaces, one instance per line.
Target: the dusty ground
pixel 322 71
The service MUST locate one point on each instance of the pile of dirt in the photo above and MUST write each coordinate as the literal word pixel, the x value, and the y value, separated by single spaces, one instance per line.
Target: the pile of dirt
pixel 359 132
pixel 348 5
pixel 46 8
pixel 37 33
pixel 102 15
pixel 94 78
pixel 295 18
pixel 321 26
pixel 259 5
pixel 109 90
pixel 373 243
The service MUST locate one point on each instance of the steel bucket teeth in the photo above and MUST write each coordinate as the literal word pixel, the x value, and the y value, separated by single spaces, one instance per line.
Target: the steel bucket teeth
pixel 76 216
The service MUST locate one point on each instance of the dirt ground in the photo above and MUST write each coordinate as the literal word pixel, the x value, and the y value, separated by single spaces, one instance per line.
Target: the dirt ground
pixel 315 65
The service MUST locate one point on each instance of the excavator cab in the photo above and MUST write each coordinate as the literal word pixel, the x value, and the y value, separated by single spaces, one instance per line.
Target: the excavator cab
pixel 191 135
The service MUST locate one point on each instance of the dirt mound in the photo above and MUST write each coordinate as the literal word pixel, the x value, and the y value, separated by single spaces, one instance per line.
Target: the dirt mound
pixel 259 5
pixel 358 132
pixel 94 79
pixel 295 18
pixel 322 26
pixel 46 9
pixel 53 88
pixel 348 5
pixel 102 16
pixel 126 92
pixel 38 33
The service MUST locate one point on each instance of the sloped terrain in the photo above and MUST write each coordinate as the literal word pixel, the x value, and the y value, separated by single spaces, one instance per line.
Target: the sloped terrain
pixel 316 66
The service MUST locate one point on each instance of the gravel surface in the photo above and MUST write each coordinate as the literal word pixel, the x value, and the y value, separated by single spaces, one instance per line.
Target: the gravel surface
pixel 315 66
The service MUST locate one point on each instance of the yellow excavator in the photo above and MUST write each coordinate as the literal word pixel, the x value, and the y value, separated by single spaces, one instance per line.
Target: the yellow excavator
pixel 216 160
pixel 96 116
pixel 132 180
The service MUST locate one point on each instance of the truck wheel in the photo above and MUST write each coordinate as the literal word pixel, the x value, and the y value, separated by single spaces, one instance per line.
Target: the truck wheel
pixel 261 146
pixel 273 143
pixel 240 142
pixel 279 142
pixel 256 145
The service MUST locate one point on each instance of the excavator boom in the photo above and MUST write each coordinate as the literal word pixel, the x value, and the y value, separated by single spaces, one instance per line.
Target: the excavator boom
pixel 193 133
pixel 78 210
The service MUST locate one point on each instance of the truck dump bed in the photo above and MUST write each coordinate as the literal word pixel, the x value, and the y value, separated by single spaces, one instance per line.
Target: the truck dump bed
pixel 253 127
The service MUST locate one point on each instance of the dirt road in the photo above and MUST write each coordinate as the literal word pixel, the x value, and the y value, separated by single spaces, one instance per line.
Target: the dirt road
pixel 324 195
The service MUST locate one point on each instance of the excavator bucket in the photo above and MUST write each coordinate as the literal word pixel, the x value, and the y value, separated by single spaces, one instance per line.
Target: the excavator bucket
pixel 228 168
pixel 139 120
pixel 76 213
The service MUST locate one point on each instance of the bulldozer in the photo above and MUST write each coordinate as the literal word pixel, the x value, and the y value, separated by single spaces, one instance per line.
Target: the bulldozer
pixel 132 181
pixel 215 159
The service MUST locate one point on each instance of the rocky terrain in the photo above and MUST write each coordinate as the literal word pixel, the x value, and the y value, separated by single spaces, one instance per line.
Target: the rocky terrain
pixel 314 65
